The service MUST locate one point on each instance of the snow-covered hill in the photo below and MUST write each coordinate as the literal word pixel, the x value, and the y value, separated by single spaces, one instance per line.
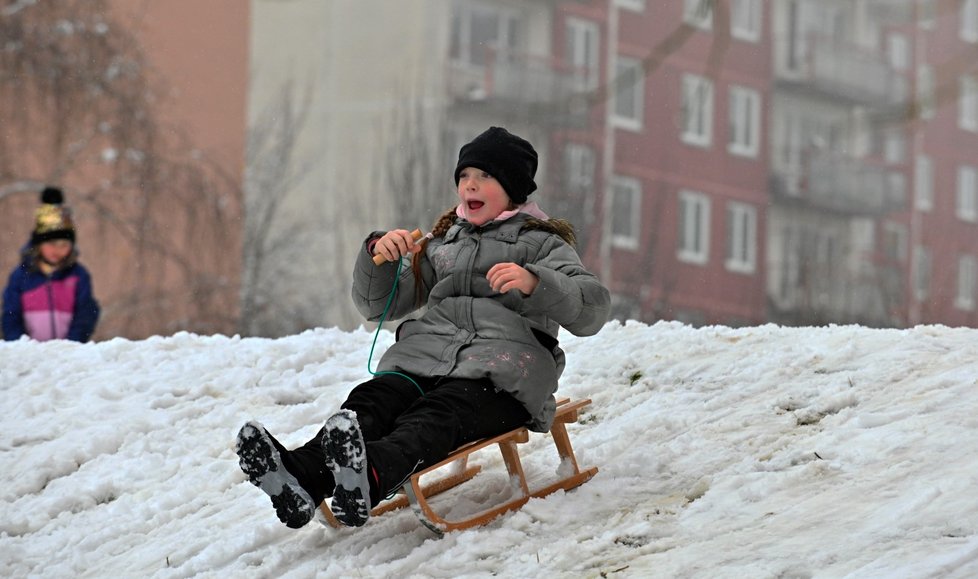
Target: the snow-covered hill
pixel 753 452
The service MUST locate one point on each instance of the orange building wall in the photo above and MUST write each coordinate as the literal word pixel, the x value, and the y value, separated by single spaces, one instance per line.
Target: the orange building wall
pixel 197 53
pixel 201 50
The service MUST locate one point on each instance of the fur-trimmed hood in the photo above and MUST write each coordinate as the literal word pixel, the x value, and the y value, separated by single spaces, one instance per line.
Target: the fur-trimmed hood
pixel 560 227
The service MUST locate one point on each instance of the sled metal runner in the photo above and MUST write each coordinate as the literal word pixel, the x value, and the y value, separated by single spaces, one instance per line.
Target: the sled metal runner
pixel 459 471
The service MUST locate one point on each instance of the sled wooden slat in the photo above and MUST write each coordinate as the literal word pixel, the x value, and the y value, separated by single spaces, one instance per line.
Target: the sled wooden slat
pixel 461 473
pixel 437 487
pixel 417 495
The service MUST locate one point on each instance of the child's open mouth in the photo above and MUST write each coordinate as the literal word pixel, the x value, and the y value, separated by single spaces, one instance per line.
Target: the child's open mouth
pixel 474 205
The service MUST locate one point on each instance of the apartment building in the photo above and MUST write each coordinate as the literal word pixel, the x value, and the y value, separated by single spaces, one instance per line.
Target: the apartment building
pixel 725 162
pixel 686 143
pixel 873 163
pixel 941 225
pixel 839 163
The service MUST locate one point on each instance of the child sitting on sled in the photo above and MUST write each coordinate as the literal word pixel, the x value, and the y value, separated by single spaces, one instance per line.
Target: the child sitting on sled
pixel 498 278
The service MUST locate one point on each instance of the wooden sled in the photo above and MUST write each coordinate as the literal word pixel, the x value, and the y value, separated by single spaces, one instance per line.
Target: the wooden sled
pixel 459 471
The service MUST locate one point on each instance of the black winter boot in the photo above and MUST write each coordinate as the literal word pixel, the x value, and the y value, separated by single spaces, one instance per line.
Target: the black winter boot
pixel 260 458
pixel 308 464
pixel 346 457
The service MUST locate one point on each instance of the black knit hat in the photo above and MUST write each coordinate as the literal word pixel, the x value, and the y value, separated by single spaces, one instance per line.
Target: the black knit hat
pixel 510 159
pixel 52 220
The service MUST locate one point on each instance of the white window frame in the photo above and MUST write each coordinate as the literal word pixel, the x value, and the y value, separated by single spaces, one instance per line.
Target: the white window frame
pixel 969 21
pixel 693 239
pixel 741 237
pixel 698 13
pixel 745 121
pixel 967 282
pixel 968 103
pixel 924 183
pixel 921 272
pixel 583 40
pixel 697 110
pixel 627 194
pixel 966 205
pixel 746 19
pixel 898 51
pixel 630 80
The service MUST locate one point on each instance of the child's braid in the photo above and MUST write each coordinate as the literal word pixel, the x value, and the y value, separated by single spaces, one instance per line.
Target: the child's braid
pixel 560 227
pixel 439 229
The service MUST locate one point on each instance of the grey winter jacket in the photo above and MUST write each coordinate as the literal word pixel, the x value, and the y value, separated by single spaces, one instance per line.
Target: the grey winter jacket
pixel 467 330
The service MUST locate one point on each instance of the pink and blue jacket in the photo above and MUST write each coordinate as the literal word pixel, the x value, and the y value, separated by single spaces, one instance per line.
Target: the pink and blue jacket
pixel 60 306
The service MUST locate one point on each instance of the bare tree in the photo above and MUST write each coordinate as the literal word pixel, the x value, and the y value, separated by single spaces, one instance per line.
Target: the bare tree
pixel 276 235
pixel 74 89
pixel 415 165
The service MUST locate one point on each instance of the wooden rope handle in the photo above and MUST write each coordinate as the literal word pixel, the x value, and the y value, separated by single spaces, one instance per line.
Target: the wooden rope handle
pixel 379 259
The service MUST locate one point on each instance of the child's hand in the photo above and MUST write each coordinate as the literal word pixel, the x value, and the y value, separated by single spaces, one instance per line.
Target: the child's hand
pixel 504 277
pixel 395 244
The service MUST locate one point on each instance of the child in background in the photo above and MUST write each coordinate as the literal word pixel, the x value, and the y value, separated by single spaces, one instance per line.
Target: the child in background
pixel 498 278
pixel 49 295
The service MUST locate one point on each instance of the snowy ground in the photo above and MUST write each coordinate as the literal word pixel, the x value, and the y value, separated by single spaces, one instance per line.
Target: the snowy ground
pixel 755 452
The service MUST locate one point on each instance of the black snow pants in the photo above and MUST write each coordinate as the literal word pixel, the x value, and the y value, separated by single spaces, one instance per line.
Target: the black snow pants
pixel 406 431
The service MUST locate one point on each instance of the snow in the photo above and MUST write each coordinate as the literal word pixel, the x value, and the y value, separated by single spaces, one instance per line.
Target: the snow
pixel 838 451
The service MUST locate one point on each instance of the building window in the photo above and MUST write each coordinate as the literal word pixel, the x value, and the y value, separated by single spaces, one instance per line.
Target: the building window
pixel 694 227
pixel 795 49
pixel 629 91
pixel 863 241
pixel 896 190
pixel 745 121
pixel 697 110
pixel 921 273
pixel 745 20
pixel 969 20
pixel 789 264
pixel 924 183
pixel 579 163
pixel 894 146
pixel 968 103
pixel 966 207
pixel 927 13
pixel 699 13
pixel 899 51
pixel 636 5
pixel 582 52
pixel 894 241
pixel 967 280
pixel 741 238
pixel 925 91
pixel 479 31
pixel 626 212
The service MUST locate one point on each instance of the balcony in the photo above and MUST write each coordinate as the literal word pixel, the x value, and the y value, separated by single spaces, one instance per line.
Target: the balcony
pixel 838 183
pixel 890 12
pixel 510 83
pixel 845 70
